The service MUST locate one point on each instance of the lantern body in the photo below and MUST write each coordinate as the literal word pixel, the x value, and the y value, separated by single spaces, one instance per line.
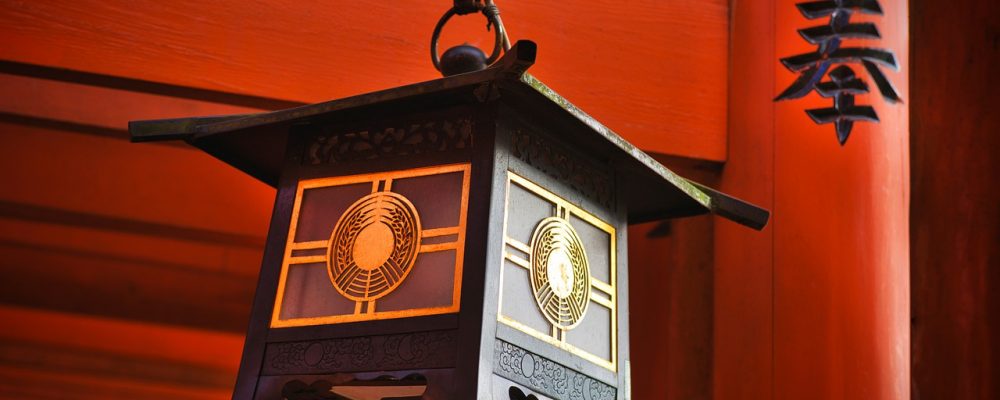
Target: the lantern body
pixel 403 245
pixel 462 238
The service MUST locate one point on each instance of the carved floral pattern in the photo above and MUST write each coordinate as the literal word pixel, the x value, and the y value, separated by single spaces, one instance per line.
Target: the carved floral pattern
pixel 434 349
pixel 422 137
pixel 559 163
pixel 547 376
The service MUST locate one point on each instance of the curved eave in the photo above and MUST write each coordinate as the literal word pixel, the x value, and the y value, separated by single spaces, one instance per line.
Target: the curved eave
pixel 651 191
pixel 708 199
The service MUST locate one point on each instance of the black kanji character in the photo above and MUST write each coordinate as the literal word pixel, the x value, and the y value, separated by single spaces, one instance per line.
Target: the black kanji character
pixel 844 85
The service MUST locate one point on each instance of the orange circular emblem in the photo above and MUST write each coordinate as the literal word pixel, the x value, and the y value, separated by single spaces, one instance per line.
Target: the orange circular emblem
pixel 373 246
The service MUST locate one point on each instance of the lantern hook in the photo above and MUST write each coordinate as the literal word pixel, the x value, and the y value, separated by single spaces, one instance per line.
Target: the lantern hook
pixel 501 42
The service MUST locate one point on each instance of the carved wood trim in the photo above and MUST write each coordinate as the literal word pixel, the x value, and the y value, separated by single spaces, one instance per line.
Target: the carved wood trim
pixel 435 349
pixel 546 376
pixel 400 140
pixel 558 162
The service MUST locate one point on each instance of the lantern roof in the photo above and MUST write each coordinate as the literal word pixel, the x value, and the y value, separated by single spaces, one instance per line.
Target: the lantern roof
pixel 255 143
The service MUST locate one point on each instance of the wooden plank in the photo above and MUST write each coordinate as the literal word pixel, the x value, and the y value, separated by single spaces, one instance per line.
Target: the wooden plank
pixel 140 182
pixel 97 235
pixel 58 74
pixel 96 106
pixel 124 338
pixel 42 214
pixel 209 257
pixel 97 283
pixel 650 70
pixel 42 385
pixel 50 355
pixel 742 361
pixel 670 301
pixel 954 218
pixel 24 355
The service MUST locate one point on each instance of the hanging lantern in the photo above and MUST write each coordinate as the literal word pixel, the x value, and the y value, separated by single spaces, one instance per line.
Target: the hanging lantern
pixel 461 238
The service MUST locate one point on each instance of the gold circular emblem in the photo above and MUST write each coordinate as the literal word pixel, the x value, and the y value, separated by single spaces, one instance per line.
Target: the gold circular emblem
pixel 560 275
pixel 374 246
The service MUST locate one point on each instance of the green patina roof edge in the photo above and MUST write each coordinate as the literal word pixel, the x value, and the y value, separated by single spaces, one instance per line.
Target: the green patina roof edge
pixel 618 141
pixel 739 211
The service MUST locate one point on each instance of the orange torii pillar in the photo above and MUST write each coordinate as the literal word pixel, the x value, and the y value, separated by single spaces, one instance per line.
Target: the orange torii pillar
pixel 816 306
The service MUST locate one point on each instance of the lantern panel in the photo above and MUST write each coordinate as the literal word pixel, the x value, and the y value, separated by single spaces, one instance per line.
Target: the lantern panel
pixel 558 277
pixel 374 246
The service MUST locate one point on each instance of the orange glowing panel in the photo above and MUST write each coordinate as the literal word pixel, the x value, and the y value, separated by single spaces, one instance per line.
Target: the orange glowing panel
pixel 374 246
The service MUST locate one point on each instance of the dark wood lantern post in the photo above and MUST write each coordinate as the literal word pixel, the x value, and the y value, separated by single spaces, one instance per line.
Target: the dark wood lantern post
pixel 461 238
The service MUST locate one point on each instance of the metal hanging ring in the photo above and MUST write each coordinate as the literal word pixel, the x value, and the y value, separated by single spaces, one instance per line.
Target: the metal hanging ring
pixel 492 14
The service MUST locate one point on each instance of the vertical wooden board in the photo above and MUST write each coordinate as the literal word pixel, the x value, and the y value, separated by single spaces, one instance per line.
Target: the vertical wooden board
pixel 955 221
pixel 654 71
pixel 841 288
pixel 650 313
pixel 743 316
pixel 670 309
